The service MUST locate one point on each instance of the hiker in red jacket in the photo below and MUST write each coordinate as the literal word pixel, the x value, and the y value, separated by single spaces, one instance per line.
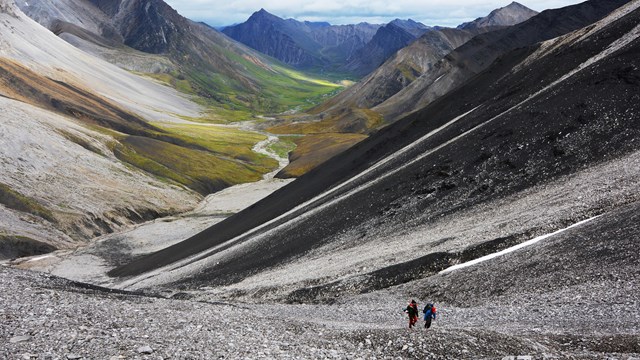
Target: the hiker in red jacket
pixel 412 311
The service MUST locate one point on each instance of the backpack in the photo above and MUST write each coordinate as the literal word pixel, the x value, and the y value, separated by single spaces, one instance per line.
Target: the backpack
pixel 430 310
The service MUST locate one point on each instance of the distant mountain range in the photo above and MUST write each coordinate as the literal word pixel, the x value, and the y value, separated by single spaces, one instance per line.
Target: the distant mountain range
pixel 355 49
pixel 306 45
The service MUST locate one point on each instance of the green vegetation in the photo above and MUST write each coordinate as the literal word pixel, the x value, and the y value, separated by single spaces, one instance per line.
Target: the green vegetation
pixel 349 121
pixel 313 150
pixel 283 147
pixel 409 71
pixel 224 141
pixel 290 89
pixel 264 88
pixel 204 158
pixel 208 158
pixel 16 201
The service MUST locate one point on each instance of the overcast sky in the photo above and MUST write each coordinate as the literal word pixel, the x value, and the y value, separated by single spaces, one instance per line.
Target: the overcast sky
pixel 429 12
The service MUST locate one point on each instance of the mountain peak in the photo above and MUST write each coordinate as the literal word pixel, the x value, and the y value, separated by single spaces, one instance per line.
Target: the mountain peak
pixel 409 23
pixel 414 28
pixel 512 14
pixel 263 14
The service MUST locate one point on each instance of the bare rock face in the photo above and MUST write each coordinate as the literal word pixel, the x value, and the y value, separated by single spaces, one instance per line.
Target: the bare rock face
pixel 271 35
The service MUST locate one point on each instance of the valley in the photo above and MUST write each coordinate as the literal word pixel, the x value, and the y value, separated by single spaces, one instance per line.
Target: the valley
pixel 282 188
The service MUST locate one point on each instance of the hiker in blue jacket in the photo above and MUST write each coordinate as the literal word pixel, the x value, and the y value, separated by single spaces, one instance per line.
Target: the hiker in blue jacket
pixel 429 313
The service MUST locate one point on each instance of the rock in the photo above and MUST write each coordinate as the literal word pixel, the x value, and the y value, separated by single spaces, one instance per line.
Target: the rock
pixel 21 338
pixel 73 356
pixel 145 350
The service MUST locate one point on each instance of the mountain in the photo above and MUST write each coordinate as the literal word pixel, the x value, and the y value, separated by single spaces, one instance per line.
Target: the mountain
pixel 479 53
pixel 511 14
pixel 400 33
pixel 414 60
pixel 152 37
pixel 340 42
pixel 521 150
pixel 305 45
pixel 413 27
pixel 276 37
pixel 65 115
pixel 405 66
pixel 387 40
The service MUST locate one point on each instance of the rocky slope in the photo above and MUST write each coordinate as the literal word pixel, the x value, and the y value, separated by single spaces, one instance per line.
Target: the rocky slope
pixel 45 316
pixel 81 157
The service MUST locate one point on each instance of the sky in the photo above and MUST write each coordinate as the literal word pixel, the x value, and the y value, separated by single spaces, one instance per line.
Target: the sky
pixel 338 12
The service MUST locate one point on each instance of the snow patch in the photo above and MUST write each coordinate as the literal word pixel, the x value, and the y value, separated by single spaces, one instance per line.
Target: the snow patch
pixel 38 258
pixel 513 248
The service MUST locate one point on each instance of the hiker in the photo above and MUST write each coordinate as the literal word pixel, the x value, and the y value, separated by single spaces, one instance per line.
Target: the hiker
pixel 429 313
pixel 412 311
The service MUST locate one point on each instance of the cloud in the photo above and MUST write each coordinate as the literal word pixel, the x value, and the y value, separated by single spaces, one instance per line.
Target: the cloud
pixel 429 12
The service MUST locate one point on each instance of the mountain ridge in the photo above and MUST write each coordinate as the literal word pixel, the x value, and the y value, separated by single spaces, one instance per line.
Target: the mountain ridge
pixel 511 14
